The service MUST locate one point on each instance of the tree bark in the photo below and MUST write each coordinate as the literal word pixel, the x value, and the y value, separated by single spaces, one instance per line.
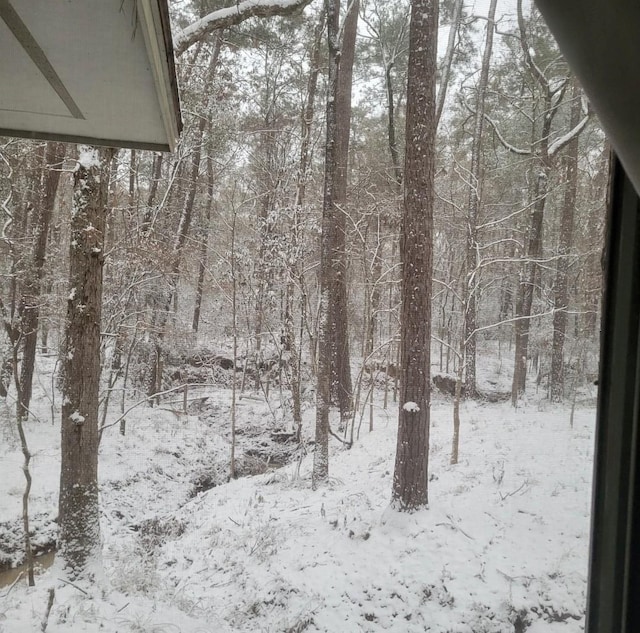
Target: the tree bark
pixel 342 386
pixel 204 244
pixel 391 126
pixel 79 517
pixel 31 286
pixel 565 242
pixel 528 275
pixel 156 172
pixel 410 486
pixel 328 262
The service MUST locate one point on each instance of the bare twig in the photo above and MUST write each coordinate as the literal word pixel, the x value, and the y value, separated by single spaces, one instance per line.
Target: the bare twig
pixel 514 492
pixel 454 526
pixel 13 584
pixel 68 582
pixel 345 442
pixel 151 397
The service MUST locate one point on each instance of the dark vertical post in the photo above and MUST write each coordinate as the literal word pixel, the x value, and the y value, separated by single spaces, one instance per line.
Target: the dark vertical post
pixel 613 578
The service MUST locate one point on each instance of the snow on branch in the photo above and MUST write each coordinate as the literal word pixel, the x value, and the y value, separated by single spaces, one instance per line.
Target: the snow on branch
pixel 565 139
pixel 230 16
pixel 512 148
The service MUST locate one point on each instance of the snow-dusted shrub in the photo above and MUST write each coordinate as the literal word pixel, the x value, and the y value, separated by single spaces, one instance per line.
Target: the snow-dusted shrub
pixel 135 571
pixel 155 532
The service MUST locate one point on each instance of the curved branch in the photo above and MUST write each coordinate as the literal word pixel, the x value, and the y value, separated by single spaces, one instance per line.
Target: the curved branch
pixel 512 148
pixel 565 139
pixel 230 16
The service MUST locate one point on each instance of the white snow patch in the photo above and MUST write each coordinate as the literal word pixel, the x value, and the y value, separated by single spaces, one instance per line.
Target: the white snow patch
pixel 88 156
pixel 77 417
pixel 412 407
pixel 267 553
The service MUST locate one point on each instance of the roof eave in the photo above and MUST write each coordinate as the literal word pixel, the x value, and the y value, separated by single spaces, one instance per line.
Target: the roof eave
pixel 155 23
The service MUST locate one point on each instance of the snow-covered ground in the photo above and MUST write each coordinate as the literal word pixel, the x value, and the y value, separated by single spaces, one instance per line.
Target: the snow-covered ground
pixel 502 547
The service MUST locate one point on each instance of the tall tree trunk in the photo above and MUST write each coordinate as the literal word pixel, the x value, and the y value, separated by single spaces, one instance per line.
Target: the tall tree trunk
pixel 541 171
pixel 328 261
pixel 570 165
pixel 204 244
pixel 391 126
pixel 527 278
pixel 342 386
pixel 31 286
pixel 263 270
pixel 156 172
pixel 475 200
pixel 308 113
pixel 372 298
pixel 79 517
pixel 410 486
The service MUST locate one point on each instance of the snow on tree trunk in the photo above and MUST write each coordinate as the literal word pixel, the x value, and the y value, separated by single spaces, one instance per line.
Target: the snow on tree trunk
pixel 79 516
pixel 412 452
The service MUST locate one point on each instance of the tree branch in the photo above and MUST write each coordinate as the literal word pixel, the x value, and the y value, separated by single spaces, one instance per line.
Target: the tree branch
pixel 230 16
pixel 565 139
pixel 512 148
pixel 448 59
pixel 526 51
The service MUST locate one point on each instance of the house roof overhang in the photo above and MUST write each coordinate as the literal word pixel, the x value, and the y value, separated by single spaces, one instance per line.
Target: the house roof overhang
pixel 89 71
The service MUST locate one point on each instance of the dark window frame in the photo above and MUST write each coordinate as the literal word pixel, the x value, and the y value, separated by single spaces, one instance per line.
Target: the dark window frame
pixel 613 603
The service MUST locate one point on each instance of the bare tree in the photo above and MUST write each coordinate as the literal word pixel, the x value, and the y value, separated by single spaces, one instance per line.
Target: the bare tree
pixel 543 150
pixel 31 283
pixel 295 275
pixel 334 373
pixel 202 264
pixel 475 200
pixel 342 387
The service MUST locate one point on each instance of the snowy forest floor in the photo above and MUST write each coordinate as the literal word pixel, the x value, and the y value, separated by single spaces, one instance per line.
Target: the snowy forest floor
pixel 502 547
